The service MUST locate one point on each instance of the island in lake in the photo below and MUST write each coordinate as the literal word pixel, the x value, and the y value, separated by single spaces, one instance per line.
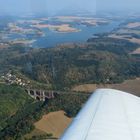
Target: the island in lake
pixel 62 28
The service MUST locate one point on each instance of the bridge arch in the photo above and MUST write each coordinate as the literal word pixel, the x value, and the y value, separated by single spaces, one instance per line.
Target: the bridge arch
pixel 38 98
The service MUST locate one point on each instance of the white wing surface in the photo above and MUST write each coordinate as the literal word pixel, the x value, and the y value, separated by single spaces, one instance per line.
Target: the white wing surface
pixel 108 115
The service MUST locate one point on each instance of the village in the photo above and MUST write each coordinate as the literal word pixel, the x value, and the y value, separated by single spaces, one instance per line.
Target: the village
pixel 11 79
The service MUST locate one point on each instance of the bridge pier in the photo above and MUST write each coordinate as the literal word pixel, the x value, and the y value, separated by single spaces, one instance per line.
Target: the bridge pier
pixel 40 95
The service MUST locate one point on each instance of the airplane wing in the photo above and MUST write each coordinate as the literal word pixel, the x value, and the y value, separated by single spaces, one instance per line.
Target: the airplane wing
pixel 108 115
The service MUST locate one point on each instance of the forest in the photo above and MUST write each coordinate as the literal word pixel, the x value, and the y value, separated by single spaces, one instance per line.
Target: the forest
pixel 100 60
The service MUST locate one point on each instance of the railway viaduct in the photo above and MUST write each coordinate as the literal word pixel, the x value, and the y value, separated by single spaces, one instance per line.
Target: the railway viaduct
pixel 43 95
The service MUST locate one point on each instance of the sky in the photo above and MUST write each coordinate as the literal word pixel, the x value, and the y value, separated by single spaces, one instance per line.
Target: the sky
pixel 116 5
pixel 55 6
pixel 48 6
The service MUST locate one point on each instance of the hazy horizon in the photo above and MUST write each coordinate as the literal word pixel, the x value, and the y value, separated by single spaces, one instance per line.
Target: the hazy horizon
pixel 63 6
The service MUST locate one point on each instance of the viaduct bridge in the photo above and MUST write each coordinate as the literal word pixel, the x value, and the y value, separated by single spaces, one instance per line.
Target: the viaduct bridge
pixel 43 95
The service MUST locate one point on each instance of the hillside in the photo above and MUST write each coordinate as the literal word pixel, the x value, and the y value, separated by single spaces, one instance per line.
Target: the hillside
pixel 12 98
pixel 100 60
pixel 18 112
